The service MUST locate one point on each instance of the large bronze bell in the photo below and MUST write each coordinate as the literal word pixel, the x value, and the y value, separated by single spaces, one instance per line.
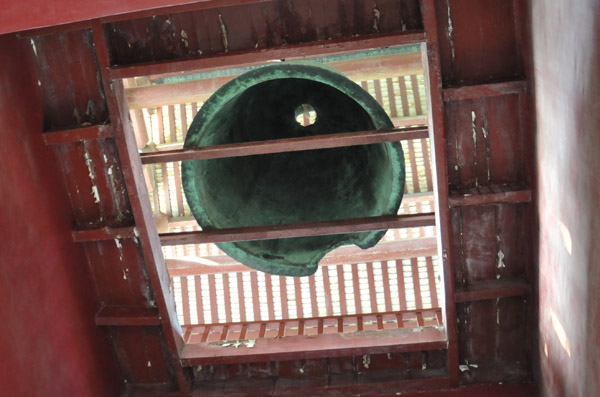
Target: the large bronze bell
pixel 305 186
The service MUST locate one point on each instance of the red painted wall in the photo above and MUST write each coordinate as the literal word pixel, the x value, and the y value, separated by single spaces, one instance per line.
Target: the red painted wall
pixel 21 15
pixel 49 344
pixel 566 60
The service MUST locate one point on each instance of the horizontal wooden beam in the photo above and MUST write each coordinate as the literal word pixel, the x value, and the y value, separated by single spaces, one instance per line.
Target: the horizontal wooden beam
pixel 78 134
pixel 491 289
pixel 104 233
pixel 484 90
pixel 260 56
pixel 506 197
pixel 298 229
pixel 384 251
pixel 185 221
pixel 127 316
pixel 317 346
pixel 285 145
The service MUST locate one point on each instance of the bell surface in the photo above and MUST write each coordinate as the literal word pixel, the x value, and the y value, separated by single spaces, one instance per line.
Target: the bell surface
pixel 293 187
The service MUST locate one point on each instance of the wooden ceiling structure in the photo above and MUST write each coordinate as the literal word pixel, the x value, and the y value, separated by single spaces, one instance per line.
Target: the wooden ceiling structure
pixel 481 134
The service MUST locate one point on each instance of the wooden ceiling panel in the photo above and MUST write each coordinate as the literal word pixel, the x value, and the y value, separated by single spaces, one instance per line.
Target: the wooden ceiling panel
pixel 69 80
pixel 254 26
pixel 492 341
pixel 118 270
pixel 142 355
pixel 484 142
pixel 490 243
pixel 478 41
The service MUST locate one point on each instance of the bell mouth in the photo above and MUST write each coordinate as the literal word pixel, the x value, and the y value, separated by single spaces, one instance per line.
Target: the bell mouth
pixel 293 187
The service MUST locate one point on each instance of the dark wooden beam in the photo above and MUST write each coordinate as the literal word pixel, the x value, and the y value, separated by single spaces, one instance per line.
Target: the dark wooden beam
pixel 507 197
pixel 78 134
pixel 298 229
pixel 285 145
pixel 491 289
pixel 140 205
pixel 127 316
pixel 438 139
pixel 484 90
pixel 104 233
pixel 256 57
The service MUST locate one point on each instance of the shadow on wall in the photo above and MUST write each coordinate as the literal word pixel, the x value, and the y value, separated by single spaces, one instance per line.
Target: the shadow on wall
pixel 567 89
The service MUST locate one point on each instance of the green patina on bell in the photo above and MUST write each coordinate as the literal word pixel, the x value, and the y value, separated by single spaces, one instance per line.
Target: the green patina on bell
pixel 306 186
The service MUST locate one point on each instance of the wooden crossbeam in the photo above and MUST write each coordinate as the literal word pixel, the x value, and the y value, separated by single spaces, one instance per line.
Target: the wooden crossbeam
pixel 298 229
pixel 285 145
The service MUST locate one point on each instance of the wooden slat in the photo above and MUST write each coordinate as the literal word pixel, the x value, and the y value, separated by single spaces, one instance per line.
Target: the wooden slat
pixel 301 327
pixel 484 90
pixel 313 296
pixel 262 330
pixel 401 288
pixel 359 323
pixel 127 316
pixel 227 296
pixel 224 333
pixel 378 95
pixel 327 287
pixel 285 314
pixel 166 191
pixel 259 56
pixel 432 283
pixel 183 116
pixel 507 197
pixel 104 233
pixel 161 126
pixel 270 300
pixel 199 303
pixel 242 305
pixel 342 290
pixel 420 320
pixel 400 320
pixel 178 189
pixel 327 141
pixel 212 292
pixel 386 286
pixel 416 95
pixel 185 296
pixel 372 291
pixel 493 289
pixel 416 283
pixel 413 167
pixel 299 229
pixel 298 292
pixel 392 98
pixel 357 289
pixel 78 134
pixel 243 332
pixel 205 333
pixel 427 161
pixel 403 96
pixel 255 297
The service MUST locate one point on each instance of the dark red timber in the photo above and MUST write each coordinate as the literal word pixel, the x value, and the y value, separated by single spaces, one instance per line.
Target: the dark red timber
pixel 467 215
